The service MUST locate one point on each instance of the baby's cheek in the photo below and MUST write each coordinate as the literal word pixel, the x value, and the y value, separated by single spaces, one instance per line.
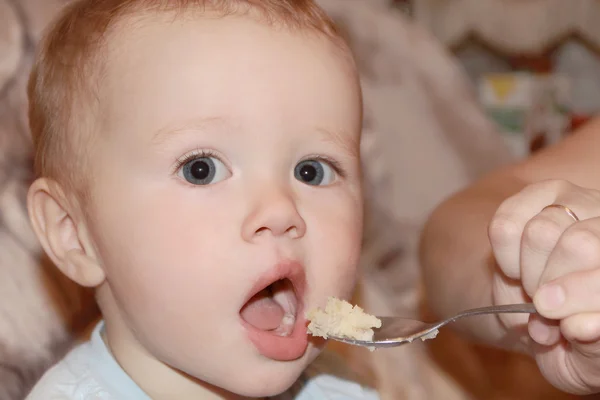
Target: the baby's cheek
pixel 337 279
pixel 349 284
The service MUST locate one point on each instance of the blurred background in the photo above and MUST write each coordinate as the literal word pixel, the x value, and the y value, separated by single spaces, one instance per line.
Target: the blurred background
pixel 534 64
pixel 453 89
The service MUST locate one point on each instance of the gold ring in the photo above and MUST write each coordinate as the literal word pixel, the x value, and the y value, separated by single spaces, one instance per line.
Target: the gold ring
pixel 565 208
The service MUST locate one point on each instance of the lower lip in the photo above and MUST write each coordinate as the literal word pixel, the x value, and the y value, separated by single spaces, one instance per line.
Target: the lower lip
pixel 280 348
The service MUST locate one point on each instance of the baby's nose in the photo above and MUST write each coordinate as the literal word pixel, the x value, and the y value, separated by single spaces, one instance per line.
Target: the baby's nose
pixel 275 212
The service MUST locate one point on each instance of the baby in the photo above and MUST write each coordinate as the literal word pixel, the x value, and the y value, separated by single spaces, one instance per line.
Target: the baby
pixel 199 168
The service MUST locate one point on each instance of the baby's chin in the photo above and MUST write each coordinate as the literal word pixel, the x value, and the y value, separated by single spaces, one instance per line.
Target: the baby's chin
pixel 271 378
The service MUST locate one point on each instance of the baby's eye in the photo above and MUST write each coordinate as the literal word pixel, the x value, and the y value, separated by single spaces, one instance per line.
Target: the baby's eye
pixel 314 172
pixel 204 171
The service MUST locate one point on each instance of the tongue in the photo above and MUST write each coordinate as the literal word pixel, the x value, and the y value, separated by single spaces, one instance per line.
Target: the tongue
pixel 263 312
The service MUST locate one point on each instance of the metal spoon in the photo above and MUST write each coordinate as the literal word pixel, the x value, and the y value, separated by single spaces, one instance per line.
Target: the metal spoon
pixel 396 331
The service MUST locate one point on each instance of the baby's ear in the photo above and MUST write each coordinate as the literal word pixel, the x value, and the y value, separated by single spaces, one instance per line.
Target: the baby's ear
pixel 62 235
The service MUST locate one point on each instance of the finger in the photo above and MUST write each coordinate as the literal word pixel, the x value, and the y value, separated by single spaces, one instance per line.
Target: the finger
pixel 544 331
pixel 578 249
pixel 569 369
pixel 545 230
pixel 575 293
pixel 540 236
pixel 583 328
pixel 582 355
pixel 507 225
pixel 508 291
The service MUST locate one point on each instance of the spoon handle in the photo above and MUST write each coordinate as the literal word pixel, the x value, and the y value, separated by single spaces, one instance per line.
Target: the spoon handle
pixel 525 308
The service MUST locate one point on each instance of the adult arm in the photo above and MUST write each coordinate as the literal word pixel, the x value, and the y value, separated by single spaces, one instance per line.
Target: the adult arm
pixel 455 250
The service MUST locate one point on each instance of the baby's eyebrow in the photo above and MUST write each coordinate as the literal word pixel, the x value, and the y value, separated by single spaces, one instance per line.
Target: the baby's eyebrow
pixel 344 140
pixel 198 124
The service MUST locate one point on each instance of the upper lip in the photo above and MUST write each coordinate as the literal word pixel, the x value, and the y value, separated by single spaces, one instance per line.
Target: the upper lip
pixel 288 269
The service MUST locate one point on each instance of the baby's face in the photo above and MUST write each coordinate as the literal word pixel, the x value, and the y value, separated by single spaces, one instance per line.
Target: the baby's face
pixel 228 161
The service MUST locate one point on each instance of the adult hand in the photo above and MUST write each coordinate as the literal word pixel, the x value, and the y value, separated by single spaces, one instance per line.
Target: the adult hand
pixel 552 255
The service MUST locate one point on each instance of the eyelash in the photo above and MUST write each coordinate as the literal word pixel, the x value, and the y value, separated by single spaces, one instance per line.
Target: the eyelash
pixel 337 167
pixel 209 153
pixel 194 155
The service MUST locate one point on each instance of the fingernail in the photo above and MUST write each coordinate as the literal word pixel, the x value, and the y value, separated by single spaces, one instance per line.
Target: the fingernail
pixel 551 297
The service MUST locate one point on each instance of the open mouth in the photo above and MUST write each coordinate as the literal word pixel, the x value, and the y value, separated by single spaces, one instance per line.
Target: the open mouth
pixel 273 309
pixel 272 314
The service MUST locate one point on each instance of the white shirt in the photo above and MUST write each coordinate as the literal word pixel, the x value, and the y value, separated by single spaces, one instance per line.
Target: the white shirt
pixel 90 372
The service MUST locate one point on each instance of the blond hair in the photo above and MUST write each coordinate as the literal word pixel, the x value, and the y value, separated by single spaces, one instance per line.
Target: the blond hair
pixel 61 85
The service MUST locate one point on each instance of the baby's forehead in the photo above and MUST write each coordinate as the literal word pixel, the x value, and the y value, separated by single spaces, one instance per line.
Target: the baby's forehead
pixel 148 27
pixel 136 28
pixel 141 43
pixel 175 67
pixel 135 40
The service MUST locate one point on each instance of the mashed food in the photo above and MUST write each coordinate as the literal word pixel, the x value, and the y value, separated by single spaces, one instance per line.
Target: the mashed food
pixel 341 319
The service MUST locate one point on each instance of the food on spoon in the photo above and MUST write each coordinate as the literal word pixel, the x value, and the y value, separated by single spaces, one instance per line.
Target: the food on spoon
pixel 341 319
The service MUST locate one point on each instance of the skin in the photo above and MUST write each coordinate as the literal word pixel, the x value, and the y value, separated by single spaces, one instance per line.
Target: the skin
pixel 173 262
pixel 494 243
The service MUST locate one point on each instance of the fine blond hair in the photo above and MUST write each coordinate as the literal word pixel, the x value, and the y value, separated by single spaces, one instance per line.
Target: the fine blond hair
pixel 68 64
